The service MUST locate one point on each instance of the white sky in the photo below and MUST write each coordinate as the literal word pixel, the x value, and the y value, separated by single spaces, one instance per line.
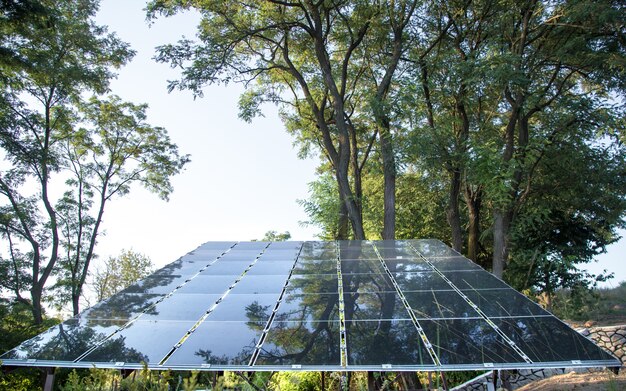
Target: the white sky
pixel 243 180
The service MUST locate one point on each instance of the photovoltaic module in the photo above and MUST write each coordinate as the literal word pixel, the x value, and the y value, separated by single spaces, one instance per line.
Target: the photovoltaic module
pixel 403 305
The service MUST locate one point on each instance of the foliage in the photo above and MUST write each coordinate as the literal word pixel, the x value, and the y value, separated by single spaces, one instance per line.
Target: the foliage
pixel 603 305
pixel 119 272
pixel 16 326
pixel 296 381
pixel 274 236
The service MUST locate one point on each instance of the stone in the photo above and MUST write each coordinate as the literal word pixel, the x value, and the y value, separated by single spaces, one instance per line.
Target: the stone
pixel 618 339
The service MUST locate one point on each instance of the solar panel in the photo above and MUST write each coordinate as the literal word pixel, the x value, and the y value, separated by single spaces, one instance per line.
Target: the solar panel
pixel 345 305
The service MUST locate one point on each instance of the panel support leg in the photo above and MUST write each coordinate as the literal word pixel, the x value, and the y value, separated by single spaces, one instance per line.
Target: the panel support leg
pixel 49 382
pixel 371 382
pixel 444 383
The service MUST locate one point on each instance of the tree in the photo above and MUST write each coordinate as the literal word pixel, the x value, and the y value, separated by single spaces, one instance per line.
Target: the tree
pixel 115 150
pixel 274 236
pixel 49 134
pixel 556 70
pixel 309 58
pixel 119 272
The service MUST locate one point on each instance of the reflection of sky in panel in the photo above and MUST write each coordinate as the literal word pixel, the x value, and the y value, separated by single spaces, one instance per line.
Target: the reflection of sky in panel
pixel 433 248
pixel 252 308
pixel 240 256
pixel 312 283
pixel 316 267
pixel 279 255
pixel 226 268
pixel 65 341
pixel 546 339
pixel 123 306
pixel 468 341
pixel 182 306
pixel 301 343
pixel 252 246
pixel 420 281
pixel 374 306
pixel 270 267
pixel 147 341
pixel 156 284
pixel 454 263
pixel 260 284
pixel 475 280
pixel 406 265
pixel 183 267
pixel 219 343
pixel 286 245
pixel 439 304
pixel 367 283
pixel 308 307
pixel 504 302
pixel 214 246
pixel 385 342
pixel 207 284
pixel 367 266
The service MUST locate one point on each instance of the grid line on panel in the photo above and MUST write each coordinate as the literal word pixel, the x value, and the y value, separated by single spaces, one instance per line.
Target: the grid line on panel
pixel 150 307
pixel 268 325
pixel 482 314
pixel 343 343
pixel 429 347
pixel 212 308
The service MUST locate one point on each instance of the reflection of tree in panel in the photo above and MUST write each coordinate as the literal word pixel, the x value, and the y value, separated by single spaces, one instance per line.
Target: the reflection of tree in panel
pixel 122 306
pixel 393 342
pixel 378 281
pixel 68 341
pixel 466 341
pixel 301 343
pixel 209 358
pixel 312 339
pixel 148 284
pixel 257 313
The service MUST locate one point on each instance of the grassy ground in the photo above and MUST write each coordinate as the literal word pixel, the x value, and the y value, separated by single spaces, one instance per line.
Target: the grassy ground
pixel 598 381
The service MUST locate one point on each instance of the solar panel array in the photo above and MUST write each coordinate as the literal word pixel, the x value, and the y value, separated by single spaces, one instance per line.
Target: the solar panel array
pixel 346 305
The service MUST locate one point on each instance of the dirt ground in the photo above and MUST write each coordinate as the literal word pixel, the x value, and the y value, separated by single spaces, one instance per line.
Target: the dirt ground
pixel 597 381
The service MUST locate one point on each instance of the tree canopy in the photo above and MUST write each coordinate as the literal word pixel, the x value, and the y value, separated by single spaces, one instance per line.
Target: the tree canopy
pixel 476 114
pixel 55 140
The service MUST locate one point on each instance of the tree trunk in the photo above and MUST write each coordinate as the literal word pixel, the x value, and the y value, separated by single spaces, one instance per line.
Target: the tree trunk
pixel 343 229
pixel 350 204
pixel 75 303
pixel 389 173
pixel 37 310
pixel 501 223
pixel 473 200
pixel 454 218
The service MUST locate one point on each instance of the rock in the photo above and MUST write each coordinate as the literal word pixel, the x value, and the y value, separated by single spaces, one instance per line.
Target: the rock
pixel 590 323
pixel 617 339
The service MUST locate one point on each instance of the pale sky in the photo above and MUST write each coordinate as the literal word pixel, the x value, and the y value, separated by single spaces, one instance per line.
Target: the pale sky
pixel 243 179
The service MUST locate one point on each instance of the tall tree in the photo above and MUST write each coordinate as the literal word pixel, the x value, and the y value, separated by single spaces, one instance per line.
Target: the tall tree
pixel 301 53
pixel 114 150
pixel 551 58
pixel 61 57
